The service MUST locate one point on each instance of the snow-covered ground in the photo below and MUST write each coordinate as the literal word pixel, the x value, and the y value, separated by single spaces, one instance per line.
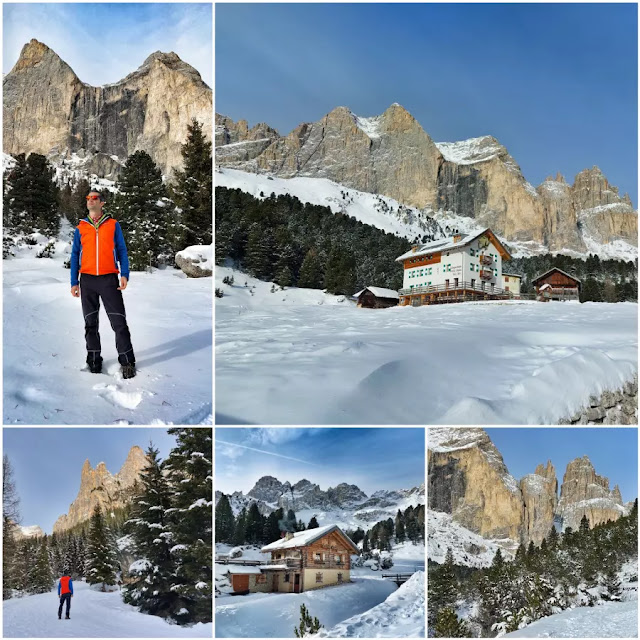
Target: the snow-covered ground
pixel 93 615
pixel 275 615
pixel 45 376
pixel 401 615
pixel 468 548
pixel 304 357
pixel 607 620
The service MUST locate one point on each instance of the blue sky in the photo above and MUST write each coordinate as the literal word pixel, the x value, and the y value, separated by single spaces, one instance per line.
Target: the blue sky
pixel 103 42
pixel 373 459
pixel 555 83
pixel 613 452
pixel 47 463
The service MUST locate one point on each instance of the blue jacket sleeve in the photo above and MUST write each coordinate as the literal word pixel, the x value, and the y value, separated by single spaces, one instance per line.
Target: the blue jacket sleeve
pixel 59 585
pixel 76 247
pixel 121 252
pixel 71 586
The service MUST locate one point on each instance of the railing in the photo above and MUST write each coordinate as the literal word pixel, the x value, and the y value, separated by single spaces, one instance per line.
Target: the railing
pixel 292 563
pixel 486 274
pixel 244 563
pixel 453 289
pixel 398 578
pixel 484 259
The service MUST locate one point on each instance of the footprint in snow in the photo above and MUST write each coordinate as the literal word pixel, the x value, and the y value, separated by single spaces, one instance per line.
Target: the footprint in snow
pixel 125 399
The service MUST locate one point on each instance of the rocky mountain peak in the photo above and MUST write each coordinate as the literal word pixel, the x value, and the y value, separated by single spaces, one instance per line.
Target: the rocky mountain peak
pixel 547 471
pixel 268 489
pixel 35 53
pixel 169 59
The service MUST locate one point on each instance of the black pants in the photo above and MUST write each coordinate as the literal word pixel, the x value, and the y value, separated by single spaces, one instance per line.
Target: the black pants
pixel 92 288
pixel 63 597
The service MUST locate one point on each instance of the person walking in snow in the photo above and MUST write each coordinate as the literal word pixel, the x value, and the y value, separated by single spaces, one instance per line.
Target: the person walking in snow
pixel 98 248
pixel 65 593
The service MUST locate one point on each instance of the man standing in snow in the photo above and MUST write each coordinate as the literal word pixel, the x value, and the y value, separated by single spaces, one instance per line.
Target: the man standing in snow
pixel 65 593
pixel 98 248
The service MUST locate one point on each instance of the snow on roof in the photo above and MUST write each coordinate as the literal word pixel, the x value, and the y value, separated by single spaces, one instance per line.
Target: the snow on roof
pixel 379 292
pixel 304 538
pixel 240 569
pixel 511 275
pixel 546 273
pixel 445 244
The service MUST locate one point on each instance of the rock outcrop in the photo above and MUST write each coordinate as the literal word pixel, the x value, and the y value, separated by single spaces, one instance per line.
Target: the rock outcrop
pixel 585 493
pixel 32 531
pixel 47 109
pixel 99 487
pixel 468 479
pixel 540 499
pixel 392 155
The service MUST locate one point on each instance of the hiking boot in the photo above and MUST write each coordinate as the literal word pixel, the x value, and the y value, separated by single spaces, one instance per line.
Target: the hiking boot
pixel 128 371
pixel 95 364
pixel 67 618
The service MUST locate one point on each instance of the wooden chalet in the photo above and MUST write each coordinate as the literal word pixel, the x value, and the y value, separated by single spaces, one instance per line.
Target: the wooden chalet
pixel 300 561
pixel 556 284
pixel 377 298
pixel 455 269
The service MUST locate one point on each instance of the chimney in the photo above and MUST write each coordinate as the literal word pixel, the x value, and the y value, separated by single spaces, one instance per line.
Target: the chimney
pixel 414 248
pixel 288 535
pixel 457 237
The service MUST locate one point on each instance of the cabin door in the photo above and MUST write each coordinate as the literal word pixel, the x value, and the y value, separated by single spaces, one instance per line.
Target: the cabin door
pixel 296 583
pixel 241 583
pixel 275 580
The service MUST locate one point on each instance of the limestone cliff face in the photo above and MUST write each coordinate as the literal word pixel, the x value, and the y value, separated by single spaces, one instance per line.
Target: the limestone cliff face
pixel 468 479
pixel 392 155
pixel 540 499
pixel 585 493
pixel 99 487
pixel 47 109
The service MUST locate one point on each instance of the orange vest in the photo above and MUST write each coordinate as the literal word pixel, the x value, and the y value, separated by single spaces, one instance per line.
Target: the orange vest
pixel 98 255
pixel 64 584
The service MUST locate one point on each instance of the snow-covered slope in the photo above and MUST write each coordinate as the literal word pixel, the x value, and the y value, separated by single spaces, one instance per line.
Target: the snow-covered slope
pixel 484 363
pixel 376 210
pixel 608 620
pixel 45 376
pixel 401 615
pixel 468 548
pixel 93 615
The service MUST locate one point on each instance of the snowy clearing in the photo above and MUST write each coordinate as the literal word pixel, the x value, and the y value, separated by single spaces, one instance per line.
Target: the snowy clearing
pixel 93 615
pixel 608 620
pixel 401 615
pixel 46 379
pixel 275 615
pixel 304 357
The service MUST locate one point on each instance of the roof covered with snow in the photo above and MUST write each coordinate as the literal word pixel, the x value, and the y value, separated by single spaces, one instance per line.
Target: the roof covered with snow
pixel 305 538
pixel 379 292
pixel 546 273
pixel 445 244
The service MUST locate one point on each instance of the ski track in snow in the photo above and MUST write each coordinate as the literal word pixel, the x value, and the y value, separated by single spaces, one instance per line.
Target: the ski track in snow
pixel 608 620
pixel 46 380
pixel 303 357
pixel 93 615
pixel 275 615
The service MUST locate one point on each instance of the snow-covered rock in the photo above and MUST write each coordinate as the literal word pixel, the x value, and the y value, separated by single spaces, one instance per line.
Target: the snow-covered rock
pixel 196 261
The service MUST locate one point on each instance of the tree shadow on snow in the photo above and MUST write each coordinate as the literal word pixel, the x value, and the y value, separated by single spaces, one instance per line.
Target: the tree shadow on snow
pixel 177 348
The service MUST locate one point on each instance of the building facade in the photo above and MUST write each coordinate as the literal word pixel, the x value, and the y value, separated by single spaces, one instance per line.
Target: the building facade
pixel 455 269
pixel 511 283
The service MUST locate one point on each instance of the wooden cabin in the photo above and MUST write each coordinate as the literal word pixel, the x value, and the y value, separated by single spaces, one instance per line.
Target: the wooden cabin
pixel 376 298
pixel 456 269
pixel 299 562
pixel 556 284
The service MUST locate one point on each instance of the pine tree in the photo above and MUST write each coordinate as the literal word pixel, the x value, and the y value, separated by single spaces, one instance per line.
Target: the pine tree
pixel 239 535
pixel 224 520
pixel 400 533
pixel 101 561
pixel 10 520
pixel 313 523
pixel 584 525
pixel 40 576
pixel 141 209
pixel 552 538
pixel 152 574
pixel 448 626
pixel 311 275
pixel 272 526
pixel 254 525
pixel 193 192
pixel 308 625
pixel 611 582
pixel 191 481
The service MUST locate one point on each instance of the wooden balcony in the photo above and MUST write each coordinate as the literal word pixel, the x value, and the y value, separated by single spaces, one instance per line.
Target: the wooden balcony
pixel 486 259
pixel 462 292
pixel 486 274
pixel 290 563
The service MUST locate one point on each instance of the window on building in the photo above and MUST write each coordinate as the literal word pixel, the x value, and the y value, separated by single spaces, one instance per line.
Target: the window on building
pixel 261 579
pixel 471 267
pixel 506 278
pixel 319 577
pixel 286 577
pixel 337 558
pixel 455 282
pixel 473 283
pixel 446 284
pixel 317 557
pixel 506 288
pixel 339 578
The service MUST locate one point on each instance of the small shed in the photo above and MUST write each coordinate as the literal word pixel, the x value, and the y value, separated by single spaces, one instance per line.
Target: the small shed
pixel 377 298
pixel 561 285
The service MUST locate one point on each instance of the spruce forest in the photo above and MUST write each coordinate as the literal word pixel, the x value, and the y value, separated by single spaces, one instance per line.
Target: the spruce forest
pixel 280 239
pixel 161 540
pixel 575 568
pixel 158 218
